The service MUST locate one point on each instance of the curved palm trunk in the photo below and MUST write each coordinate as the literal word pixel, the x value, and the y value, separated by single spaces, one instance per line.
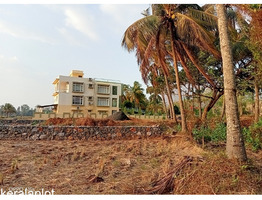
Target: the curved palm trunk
pixel 163 66
pixel 164 102
pixel 199 103
pixel 256 101
pixel 235 147
pixel 182 111
pixel 216 95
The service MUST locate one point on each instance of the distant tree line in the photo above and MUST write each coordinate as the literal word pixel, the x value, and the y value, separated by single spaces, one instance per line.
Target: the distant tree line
pixel 8 110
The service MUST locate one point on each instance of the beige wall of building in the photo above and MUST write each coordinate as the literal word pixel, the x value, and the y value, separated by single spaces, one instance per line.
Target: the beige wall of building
pixel 75 94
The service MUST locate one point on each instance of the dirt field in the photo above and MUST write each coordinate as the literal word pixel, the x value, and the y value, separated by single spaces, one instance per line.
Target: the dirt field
pixel 120 167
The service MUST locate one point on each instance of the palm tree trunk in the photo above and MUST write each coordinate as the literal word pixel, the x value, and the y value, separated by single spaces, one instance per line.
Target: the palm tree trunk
pixel 215 96
pixel 182 111
pixel 200 107
pixel 199 103
pixel 169 96
pixel 235 147
pixel 164 102
pixel 256 101
pixel 193 101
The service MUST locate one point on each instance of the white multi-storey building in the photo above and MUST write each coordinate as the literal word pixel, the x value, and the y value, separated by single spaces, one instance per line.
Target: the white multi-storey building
pixel 75 95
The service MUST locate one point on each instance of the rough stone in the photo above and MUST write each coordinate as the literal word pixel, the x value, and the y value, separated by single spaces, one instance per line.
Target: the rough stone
pixel 43 137
pixel 61 134
pixel 35 137
pixel 25 132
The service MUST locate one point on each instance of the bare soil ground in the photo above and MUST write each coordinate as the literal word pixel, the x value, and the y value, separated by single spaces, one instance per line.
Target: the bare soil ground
pixel 123 167
pixel 127 166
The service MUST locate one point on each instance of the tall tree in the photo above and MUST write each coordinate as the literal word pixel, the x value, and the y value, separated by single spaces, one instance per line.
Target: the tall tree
pixel 235 144
pixel 137 95
pixel 171 33
pixel 9 109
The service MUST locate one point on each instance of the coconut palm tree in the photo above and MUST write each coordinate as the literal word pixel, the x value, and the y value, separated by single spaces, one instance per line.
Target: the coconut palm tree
pixel 137 95
pixel 153 73
pixel 155 100
pixel 235 144
pixel 171 33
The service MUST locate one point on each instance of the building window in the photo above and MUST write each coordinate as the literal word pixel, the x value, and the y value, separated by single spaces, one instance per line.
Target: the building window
pixel 78 100
pixel 103 89
pixel 78 87
pixel 102 101
pixel 90 86
pixel 114 90
pixel 114 102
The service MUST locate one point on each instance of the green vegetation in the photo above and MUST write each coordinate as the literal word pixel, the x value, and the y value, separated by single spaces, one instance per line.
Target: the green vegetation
pixel 253 135
pixel 205 134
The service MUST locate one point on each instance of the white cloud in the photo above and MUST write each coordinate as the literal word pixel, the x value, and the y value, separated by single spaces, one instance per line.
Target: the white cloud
pixel 80 20
pixel 19 32
pixel 123 13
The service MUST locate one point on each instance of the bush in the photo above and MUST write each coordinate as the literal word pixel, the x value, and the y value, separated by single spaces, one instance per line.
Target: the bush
pixel 202 133
pixel 219 133
pixel 253 135
pixel 207 134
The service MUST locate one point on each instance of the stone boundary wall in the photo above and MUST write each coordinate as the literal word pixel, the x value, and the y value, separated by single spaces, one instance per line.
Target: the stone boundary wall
pixel 19 121
pixel 29 132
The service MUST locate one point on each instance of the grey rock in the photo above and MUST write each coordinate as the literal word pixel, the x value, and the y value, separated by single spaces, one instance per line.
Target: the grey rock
pixel 34 130
pixel 61 134
pixel 35 137
pixel 43 137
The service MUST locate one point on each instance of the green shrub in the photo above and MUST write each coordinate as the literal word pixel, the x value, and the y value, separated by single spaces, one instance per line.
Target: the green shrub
pixel 253 135
pixel 219 133
pixel 202 133
pixel 178 128
pixel 210 135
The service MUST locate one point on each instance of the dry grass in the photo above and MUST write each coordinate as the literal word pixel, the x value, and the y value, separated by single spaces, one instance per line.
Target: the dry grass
pixel 218 175
pixel 124 167
pixel 66 166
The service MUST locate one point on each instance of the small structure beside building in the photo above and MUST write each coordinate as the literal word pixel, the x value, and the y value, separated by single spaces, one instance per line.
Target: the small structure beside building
pixel 76 96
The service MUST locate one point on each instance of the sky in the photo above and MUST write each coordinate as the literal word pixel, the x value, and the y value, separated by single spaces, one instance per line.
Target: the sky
pixel 40 42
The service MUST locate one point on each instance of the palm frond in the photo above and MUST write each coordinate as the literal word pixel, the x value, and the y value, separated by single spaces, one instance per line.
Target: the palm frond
pixel 203 18
pixel 193 34
pixel 209 8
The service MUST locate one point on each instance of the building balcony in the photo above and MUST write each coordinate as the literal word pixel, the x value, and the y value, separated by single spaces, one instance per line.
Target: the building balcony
pixel 60 91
